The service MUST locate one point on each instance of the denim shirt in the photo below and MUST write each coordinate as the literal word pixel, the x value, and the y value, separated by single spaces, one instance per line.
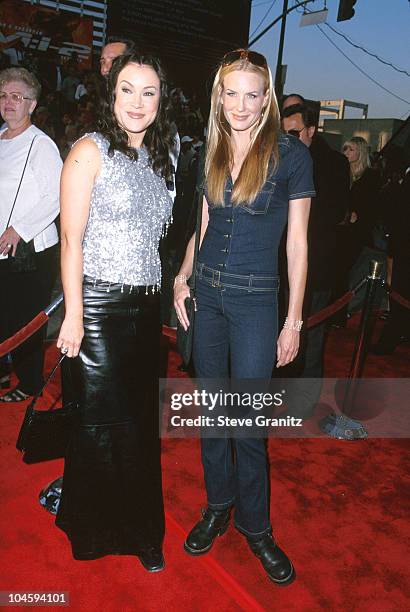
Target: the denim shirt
pixel 244 238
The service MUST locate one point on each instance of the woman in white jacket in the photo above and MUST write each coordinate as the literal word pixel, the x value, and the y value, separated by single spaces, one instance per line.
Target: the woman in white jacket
pixel 30 168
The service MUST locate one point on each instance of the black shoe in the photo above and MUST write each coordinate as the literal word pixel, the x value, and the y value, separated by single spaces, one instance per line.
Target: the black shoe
pixel 276 564
pixel 152 559
pixel 201 537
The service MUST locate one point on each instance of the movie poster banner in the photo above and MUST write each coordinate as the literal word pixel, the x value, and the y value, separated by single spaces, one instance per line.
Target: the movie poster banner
pixel 39 31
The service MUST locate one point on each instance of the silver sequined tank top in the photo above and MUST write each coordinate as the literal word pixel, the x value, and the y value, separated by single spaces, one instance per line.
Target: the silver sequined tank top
pixel 130 208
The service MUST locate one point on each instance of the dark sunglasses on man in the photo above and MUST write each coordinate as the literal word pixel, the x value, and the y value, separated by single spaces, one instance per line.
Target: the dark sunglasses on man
pixel 295 132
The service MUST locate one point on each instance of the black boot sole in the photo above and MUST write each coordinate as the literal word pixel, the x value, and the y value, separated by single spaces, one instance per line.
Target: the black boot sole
pixel 195 552
pixel 152 570
pixel 285 581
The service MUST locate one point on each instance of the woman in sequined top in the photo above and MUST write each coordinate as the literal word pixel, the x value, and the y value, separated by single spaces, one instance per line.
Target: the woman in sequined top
pixel 257 180
pixel 115 207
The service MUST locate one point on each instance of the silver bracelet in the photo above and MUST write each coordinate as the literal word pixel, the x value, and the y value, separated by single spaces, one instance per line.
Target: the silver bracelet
pixel 295 325
pixel 180 279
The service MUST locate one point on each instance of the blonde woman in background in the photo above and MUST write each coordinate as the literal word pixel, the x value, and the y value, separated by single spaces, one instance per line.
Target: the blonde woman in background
pixel 364 193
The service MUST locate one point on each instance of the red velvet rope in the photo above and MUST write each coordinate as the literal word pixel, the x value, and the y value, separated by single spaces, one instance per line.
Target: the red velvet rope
pixel 169 332
pixel 318 317
pixel 25 332
pixel 41 319
pixel 399 298
pixel 326 312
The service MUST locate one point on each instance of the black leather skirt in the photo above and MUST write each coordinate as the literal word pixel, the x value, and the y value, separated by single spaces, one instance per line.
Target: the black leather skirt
pixel 112 493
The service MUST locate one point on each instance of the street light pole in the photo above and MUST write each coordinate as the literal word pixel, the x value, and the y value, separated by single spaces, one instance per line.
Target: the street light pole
pixel 282 18
pixel 278 75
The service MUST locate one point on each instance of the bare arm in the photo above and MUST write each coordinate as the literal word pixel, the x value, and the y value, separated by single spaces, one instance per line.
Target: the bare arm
pixel 296 250
pixel 77 180
pixel 181 289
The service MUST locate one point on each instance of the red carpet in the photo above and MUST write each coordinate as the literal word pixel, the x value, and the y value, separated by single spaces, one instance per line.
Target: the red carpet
pixel 340 509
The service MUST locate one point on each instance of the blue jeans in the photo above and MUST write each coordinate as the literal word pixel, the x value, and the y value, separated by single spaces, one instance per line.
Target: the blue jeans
pixel 235 336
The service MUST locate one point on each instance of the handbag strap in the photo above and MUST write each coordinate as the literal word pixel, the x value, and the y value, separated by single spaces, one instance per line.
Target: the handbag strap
pixel 49 377
pixel 197 237
pixel 21 180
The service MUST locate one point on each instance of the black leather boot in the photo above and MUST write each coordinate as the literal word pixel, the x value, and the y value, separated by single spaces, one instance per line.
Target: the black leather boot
pixel 275 562
pixel 152 559
pixel 201 537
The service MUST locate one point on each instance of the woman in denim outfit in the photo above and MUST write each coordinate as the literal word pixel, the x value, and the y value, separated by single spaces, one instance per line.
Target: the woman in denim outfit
pixel 256 181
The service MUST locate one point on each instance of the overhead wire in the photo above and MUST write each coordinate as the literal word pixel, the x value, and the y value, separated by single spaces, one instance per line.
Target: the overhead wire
pixel 357 46
pixel 260 3
pixel 377 57
pixel 305 9
pixel 263 18
pixel 361 69
pixel 354 63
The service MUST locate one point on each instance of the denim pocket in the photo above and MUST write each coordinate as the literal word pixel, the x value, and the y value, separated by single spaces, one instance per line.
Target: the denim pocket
pixel 261 204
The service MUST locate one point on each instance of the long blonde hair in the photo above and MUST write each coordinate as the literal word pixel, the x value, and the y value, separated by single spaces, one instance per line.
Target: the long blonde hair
pixel 364 159
pixel 263 153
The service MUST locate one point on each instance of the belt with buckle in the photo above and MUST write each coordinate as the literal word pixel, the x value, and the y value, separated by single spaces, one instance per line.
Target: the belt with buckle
pixel 251 282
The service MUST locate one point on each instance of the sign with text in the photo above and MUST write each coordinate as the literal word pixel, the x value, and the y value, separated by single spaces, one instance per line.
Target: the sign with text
pixel 190 36
pixel 44 31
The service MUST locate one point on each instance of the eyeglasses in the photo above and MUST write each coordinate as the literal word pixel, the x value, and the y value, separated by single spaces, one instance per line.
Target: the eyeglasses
pixel 244 55
pixel 295 132
pixel 14 97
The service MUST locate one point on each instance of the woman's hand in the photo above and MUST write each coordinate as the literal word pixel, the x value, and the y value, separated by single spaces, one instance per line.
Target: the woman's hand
pixel 70 336
pixel 181 292
pixel 9 241
pixel 288 346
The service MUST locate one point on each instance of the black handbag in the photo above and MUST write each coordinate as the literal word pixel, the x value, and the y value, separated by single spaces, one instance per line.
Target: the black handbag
pixel 24 259
pixel 44 434
pixel 184 338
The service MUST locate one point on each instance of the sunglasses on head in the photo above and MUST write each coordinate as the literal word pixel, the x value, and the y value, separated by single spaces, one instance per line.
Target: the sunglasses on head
pixel 295 132
pixel 244 55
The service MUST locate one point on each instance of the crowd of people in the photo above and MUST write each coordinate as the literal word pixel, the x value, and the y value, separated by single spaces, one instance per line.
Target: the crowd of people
pixel 280 208
pixel 68 106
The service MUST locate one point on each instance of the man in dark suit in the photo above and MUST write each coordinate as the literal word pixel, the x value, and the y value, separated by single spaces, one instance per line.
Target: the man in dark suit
pixel 397 326
pixel 332 181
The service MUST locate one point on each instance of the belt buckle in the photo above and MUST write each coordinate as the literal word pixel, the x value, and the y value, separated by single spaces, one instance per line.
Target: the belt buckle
pixel 216 282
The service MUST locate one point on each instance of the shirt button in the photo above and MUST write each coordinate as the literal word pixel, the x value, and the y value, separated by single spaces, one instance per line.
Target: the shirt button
pixel 224 251
pixel 229 220
pixel 227 235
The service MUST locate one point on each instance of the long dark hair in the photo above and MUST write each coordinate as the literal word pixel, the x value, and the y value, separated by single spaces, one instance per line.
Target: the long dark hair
pixel 159 138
